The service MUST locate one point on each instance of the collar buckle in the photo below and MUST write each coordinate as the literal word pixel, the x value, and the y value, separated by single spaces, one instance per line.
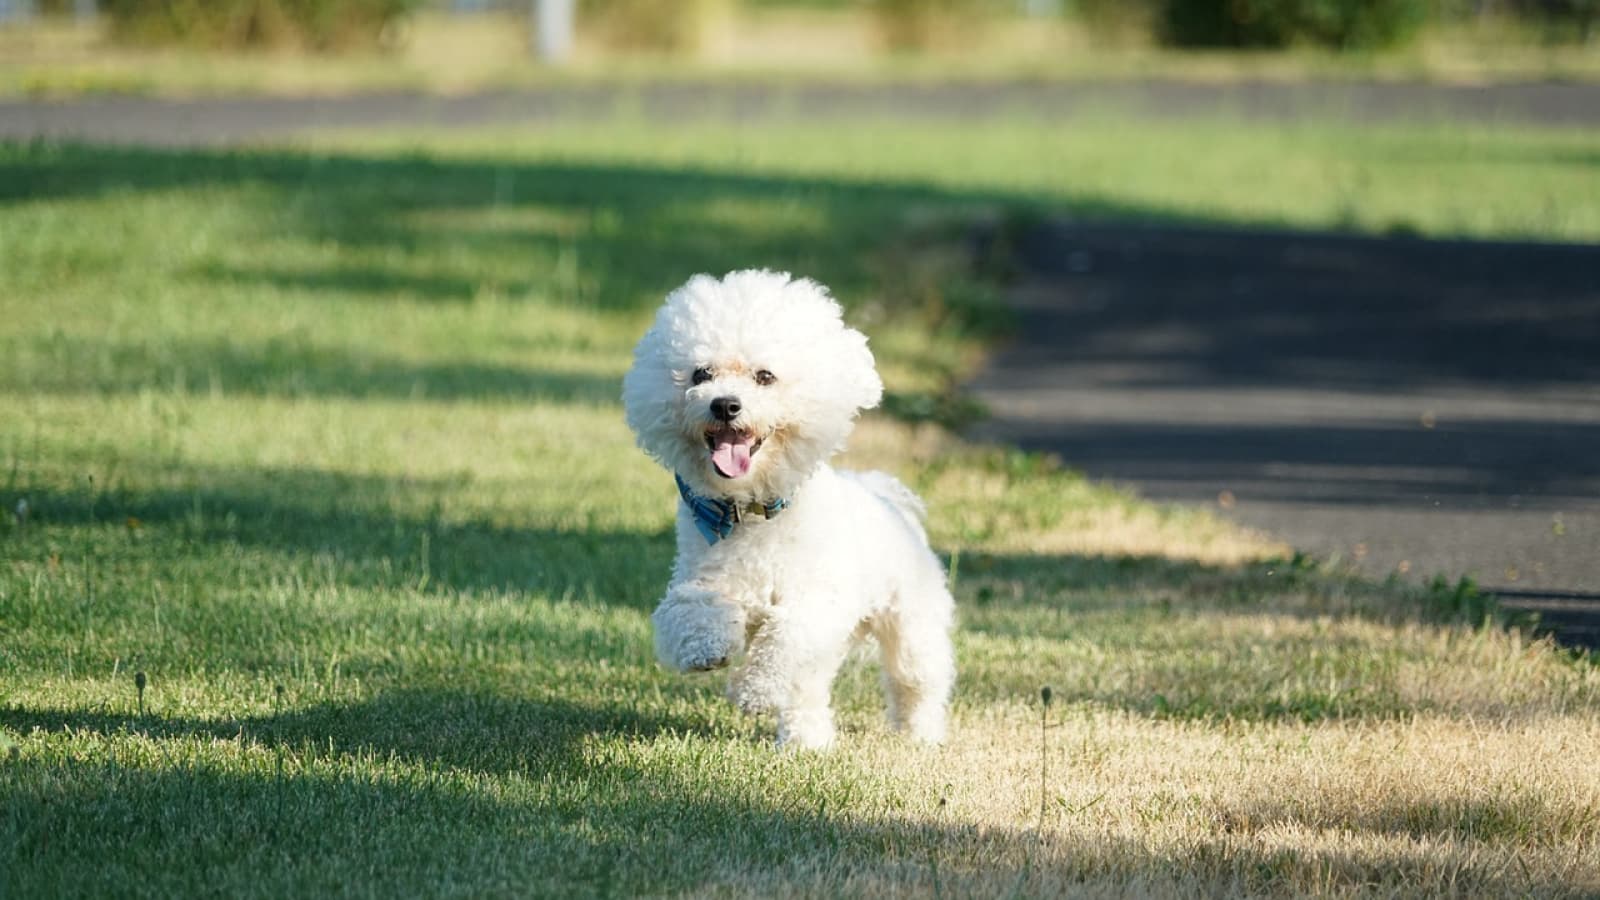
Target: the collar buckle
pixel 715 518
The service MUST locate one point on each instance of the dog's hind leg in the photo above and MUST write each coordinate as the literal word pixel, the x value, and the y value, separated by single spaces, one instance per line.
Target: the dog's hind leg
pixel 919 669
pixel 807 719
pixel 790 669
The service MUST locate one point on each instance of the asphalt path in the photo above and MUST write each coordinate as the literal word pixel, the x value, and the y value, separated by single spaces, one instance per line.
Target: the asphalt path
pixel 231 120
pixel 1408 406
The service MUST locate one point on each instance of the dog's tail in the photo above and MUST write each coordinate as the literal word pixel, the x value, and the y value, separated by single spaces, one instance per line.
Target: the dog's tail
pixel 898 497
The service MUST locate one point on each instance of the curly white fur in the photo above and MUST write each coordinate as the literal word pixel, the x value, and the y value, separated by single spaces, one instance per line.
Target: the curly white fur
pixel 846 558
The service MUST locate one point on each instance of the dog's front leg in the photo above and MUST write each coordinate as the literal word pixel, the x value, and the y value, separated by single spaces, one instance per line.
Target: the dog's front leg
pixel 696 630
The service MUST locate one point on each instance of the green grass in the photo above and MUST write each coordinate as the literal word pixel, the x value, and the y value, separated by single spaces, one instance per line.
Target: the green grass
pixel 1435 178
pixel 324 441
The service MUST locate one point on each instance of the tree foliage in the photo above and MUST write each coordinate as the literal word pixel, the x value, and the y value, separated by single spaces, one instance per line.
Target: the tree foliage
pixel 1341 24
pixel 311 24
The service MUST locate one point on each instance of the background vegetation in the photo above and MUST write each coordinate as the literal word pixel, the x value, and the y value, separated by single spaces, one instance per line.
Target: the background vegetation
pixel 1340 24
pixel 657 25
pixel 320 25
pixel 298 46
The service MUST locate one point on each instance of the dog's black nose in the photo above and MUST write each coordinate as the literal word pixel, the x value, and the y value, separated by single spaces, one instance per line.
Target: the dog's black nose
pixel 726 408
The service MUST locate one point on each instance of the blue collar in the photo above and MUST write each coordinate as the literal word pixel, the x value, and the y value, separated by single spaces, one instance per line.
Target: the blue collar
pixel 715 518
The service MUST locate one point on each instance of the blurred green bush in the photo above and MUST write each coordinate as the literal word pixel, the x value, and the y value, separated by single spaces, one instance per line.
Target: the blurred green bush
pixel 322 25
pixel 1557 20
pixel 1340 24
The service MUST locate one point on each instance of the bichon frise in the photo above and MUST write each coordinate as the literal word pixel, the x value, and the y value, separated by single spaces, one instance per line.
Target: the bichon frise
pixel 744 388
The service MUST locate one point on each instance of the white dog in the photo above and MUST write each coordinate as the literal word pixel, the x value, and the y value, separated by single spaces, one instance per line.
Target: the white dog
pixel 744 388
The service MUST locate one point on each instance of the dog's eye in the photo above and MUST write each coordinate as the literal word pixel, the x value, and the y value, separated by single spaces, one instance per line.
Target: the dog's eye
pixel 701 375
pixel 764 377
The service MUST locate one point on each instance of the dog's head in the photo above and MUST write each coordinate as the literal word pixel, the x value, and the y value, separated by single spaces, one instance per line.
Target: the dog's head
pixel 744 386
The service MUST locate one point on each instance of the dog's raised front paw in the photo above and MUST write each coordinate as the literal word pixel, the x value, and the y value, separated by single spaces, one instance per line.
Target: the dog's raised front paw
pixel 693 633
pixel 700 652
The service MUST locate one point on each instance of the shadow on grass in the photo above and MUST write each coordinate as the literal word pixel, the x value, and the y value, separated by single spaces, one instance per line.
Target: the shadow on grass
pixel 436 728
pixel 1153 637
pixel 1379 314
pixel 361 282
pixel 1299 587
pixel 637 229
pixel 553 818
pixel 1372 314
pixel 291 367
pixel 1278 640
pixel 413 789
pixel 605 240
pixel 376 527
pixel 351 530
pixel 1502 816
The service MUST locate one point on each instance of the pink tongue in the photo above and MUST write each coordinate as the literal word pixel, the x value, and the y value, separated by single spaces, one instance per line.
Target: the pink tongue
pixel 731 459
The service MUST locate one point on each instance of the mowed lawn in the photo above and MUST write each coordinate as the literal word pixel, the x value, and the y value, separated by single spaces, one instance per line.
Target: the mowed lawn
pixel 326 560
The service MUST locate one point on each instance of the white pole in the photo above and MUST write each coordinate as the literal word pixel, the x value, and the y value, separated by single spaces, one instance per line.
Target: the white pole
pixel 552 29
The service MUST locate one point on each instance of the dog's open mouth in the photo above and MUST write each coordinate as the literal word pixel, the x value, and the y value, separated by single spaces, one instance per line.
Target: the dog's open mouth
pixel 731 450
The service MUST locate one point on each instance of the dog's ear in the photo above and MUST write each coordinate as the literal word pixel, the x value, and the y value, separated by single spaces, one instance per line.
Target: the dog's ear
pixel 854 374
pixel 646 405
pixel 860 372
pixel 650 394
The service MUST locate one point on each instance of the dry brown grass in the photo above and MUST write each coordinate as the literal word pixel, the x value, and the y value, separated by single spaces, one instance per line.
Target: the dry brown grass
pixel 1431 805
pixel 1456 760
pixel 1217 732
